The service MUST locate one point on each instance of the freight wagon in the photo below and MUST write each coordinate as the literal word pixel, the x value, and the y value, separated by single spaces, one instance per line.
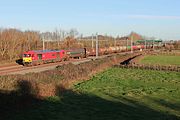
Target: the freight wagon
pixel 104 51
pixel 76 53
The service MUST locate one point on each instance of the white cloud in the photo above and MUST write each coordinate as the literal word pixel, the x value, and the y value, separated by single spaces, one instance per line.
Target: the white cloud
pixel 137 16
pixel 153 17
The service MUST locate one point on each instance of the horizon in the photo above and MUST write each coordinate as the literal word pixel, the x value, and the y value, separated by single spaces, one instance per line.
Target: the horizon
pixel 155 18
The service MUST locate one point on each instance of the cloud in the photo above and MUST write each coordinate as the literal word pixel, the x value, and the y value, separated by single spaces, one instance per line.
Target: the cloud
pixel 120 16
pixel 154 17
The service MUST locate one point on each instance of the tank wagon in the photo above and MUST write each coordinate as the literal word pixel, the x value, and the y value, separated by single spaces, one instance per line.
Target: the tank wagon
pixel 110 50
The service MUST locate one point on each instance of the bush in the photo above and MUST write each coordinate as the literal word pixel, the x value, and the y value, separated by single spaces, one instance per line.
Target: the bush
pixel 44 83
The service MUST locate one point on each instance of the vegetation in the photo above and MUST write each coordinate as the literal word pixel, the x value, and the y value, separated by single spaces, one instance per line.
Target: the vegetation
pixel 177 45
pixel 14 42
pixel 126 94
pixel 63 74
pixel 153 94
pixel 161 60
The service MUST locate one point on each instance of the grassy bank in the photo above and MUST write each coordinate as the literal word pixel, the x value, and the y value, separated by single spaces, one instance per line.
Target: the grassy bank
pixel 161 60
pixel 111 95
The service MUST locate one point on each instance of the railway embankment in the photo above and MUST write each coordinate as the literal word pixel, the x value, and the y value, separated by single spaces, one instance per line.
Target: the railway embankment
pixel 45 83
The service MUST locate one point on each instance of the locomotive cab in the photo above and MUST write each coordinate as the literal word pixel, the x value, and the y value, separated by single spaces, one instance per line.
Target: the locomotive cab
pixel 27 58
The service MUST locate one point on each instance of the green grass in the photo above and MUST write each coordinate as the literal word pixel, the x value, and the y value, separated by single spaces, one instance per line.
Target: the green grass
pixel 161 59
pixel 116 94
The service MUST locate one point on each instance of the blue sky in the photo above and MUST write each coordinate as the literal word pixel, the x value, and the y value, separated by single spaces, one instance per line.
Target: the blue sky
pixel 159 18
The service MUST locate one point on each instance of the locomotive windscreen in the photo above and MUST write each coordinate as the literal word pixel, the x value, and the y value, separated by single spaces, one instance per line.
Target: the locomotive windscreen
pixel 27 55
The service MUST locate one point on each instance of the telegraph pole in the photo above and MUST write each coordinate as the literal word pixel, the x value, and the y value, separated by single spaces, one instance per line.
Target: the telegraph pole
pixel 126 44
pixel 115 42
pixel 131 44
pixel 96 45
pixel 43 44
pixel 92 41
pixel 153 44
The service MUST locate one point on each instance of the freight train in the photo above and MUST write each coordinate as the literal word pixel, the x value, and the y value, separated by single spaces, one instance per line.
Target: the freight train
pixel 37 57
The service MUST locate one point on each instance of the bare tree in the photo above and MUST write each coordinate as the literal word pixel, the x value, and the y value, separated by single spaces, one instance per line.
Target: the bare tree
pixel 73 33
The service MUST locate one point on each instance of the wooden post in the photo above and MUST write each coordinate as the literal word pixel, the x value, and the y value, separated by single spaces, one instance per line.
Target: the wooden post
pixel 97 45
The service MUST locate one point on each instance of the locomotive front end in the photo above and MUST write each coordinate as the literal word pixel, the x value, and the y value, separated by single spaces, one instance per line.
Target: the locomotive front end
pixel 27 59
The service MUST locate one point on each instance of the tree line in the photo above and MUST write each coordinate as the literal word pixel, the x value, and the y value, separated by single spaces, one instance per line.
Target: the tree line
pixel 14 42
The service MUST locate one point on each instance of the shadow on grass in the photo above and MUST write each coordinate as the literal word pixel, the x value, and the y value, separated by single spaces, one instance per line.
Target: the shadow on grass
pixel 17 100
pixel 166 104
pixel 126 62
pixel 70 105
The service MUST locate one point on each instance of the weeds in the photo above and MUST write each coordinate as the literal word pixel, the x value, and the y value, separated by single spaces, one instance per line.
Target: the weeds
pixel 64 75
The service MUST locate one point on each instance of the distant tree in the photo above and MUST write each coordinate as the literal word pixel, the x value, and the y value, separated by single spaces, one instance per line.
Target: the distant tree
pixel 13 42
pixel 70 43
pixel 177 45
pixel 73 33
pixel 135 36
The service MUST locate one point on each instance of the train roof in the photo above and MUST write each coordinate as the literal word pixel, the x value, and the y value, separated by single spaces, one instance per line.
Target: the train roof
pixel 47 50
pixel 140 41
pixel 44 51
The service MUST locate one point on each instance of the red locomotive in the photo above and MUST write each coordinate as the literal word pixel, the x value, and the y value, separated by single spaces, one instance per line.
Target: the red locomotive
pixel 37 57
pixel 43 56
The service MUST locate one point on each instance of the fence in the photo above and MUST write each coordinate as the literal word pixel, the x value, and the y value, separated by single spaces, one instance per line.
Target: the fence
pixel 150 67
pixel 173 53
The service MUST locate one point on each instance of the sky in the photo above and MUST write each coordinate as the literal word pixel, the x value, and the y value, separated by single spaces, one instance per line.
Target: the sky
pixel 153 18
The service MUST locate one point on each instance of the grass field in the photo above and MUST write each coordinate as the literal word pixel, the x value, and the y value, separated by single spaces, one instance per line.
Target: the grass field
pixel 116 94
pixel 161 59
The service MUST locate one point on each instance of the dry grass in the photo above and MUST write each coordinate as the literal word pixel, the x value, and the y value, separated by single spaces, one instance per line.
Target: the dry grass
pixel 45 83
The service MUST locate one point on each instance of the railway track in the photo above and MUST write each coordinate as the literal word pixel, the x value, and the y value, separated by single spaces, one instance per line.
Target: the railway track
pixel 19 69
